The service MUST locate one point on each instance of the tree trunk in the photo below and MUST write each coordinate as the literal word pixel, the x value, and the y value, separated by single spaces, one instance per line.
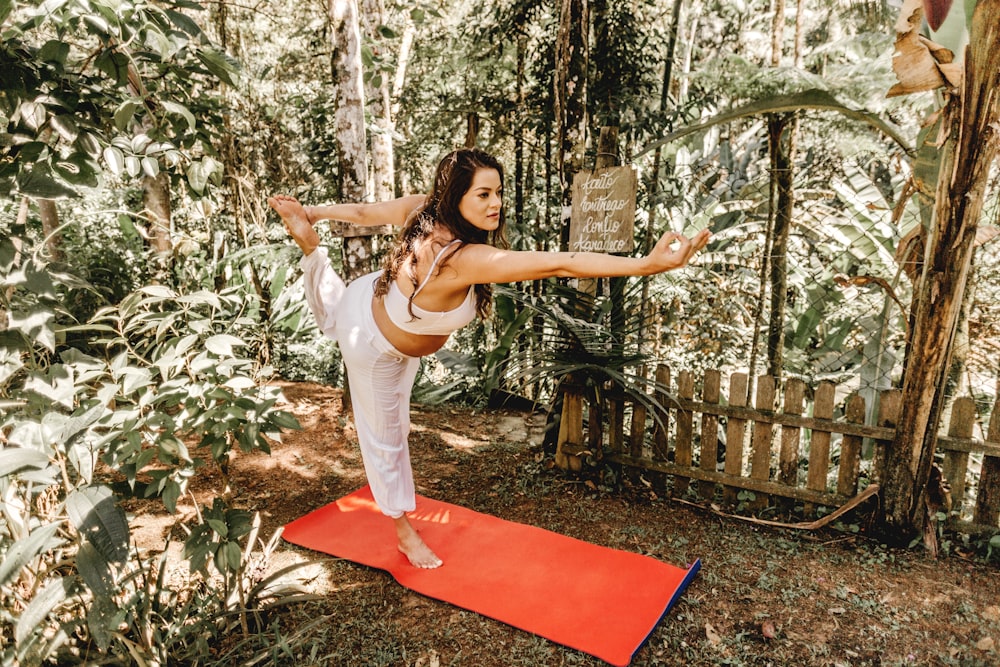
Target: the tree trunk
pixel 967 156
pixel 156 207
pixel 350 130
pixel 471 129
pixel 49 214
pixel 570 100
pixel 380 107
pixel 781 135
pixel 654 181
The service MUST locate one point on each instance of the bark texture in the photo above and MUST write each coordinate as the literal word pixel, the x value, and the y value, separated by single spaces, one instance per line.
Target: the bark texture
pixel 971 117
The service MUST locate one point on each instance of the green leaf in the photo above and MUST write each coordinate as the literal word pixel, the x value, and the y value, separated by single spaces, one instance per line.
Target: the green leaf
pixel 55 385
pixel 6 7
pixel 115 159
pixel 283 419
pixel 124 114
pixel 97 516
pixel 54 593
pixel 36 324
pixel 808 99
pixel 184 23
pixel 65 126
pixel 197 175
pixel 53 51
pixel 218 64
pixel 40 183
pixel 95 571
pixel 77 169
pixel 171 494
pixel 182 111
pixel 223 344
pixel 15 459
pixel 21 552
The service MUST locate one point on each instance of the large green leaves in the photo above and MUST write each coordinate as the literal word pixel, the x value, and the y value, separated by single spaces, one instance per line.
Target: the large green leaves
pixel 809 99
pixel 97 516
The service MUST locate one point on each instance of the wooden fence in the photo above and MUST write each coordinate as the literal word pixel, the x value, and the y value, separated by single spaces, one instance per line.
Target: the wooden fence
pixel 810 450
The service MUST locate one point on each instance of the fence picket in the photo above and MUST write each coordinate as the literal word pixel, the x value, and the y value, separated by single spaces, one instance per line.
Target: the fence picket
pixel 889 406
pixel 850 448
pixel 763 435
pixel 963 418
pixel 988 498
pixel 683 455
pixel 735 434
pixel 788 456
pixel 662 425
pixel 819 442
pixel 751 453
pixel 709 452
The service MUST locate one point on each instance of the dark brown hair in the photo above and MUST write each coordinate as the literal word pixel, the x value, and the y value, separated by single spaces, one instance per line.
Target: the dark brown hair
pixel 452 180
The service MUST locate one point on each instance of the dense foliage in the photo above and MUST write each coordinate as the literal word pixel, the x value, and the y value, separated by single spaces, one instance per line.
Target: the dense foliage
pixel 126 365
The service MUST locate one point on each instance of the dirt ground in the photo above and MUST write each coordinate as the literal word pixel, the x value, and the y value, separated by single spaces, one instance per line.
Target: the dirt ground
pixel 764 596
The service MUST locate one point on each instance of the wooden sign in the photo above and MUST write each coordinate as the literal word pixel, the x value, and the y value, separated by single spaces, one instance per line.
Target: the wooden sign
pixel 603 212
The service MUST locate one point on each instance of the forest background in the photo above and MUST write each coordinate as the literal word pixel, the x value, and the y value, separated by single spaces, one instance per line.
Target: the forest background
pixel 149 299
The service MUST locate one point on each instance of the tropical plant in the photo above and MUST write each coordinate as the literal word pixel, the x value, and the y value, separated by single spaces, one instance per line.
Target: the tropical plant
pixel 168 394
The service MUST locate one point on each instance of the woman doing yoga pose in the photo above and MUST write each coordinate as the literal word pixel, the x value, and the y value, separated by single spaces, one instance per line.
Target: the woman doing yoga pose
pixel 436 279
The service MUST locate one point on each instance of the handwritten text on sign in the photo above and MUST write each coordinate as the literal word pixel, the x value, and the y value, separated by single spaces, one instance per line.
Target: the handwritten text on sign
pixel 603 213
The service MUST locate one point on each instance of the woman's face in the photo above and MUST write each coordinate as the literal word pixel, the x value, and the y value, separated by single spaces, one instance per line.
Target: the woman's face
pixel 480 205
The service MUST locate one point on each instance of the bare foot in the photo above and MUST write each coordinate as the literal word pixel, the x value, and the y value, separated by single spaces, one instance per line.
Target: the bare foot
pixel 296 221
pixel 413 547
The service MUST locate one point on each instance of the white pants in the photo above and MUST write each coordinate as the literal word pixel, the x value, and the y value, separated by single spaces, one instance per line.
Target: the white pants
pixel 380 377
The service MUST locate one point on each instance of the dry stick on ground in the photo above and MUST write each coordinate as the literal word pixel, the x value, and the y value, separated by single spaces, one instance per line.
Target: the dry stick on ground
pixel 802 525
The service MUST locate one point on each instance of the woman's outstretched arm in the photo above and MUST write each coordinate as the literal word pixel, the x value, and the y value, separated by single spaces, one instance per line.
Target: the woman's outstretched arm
pixel 486 264
pixel 392 212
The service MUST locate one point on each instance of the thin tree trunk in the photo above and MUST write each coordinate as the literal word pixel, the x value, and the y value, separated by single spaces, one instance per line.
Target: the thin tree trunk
pixel 654 183
pixel 349 120
pixel 570 100
pixel 522 46
pixel 380 107
pixel 49 214
pixel 471 129
pixel 781 135
pixel 156 207
pixel 967 156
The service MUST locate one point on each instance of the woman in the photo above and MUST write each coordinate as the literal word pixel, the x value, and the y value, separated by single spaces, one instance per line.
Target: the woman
pixel 436 280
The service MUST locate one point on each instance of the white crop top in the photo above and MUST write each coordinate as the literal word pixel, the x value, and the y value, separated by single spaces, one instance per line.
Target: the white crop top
pixel 427 322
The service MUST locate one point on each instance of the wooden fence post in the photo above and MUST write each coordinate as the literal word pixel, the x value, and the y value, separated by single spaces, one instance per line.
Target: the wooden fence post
pixel 662 425
pixel 819 442
pixel 963 418
pixel 850 448
pixel 735 433
pixel 763 436
pixel 683 455
pixel 788 455
pixel 988 498
pixel 709 452
pixel 889 406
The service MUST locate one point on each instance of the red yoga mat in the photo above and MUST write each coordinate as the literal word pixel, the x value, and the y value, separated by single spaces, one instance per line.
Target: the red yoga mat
pixel 591 598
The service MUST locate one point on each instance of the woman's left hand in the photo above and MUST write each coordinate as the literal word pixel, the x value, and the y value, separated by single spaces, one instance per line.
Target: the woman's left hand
pixel 674 250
